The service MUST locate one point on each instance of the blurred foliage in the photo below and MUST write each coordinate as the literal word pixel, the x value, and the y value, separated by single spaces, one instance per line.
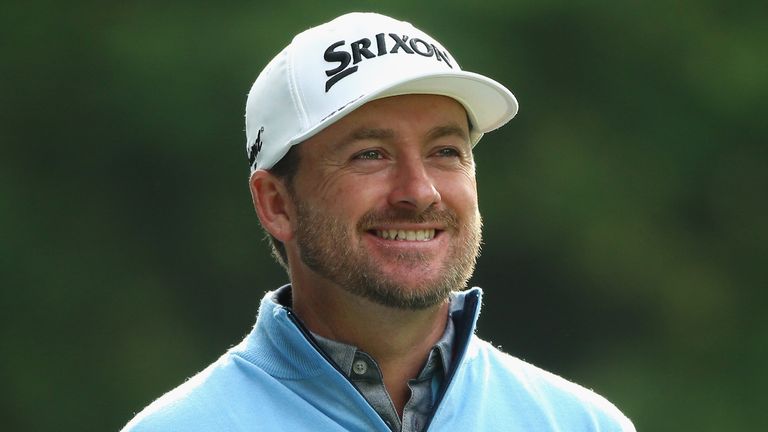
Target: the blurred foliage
pixel 624 208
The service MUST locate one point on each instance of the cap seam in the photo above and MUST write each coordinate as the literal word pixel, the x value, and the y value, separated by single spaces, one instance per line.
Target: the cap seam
pixel 296 98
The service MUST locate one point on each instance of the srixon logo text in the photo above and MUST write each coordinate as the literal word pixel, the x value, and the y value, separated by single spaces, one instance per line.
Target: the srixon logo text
pixel 383 44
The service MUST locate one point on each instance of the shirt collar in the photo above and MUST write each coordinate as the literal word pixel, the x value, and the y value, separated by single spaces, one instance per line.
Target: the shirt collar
pixel 344 354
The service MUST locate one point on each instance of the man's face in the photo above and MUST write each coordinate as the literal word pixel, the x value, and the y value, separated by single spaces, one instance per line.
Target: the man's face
pixel 386 202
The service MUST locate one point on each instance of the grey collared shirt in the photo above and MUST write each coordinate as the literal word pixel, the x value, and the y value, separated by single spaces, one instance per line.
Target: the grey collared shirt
pixel 363 371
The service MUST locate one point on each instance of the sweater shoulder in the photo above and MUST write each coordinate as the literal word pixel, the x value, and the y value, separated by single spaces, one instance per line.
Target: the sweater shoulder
pixel 201 403
pixel 555 396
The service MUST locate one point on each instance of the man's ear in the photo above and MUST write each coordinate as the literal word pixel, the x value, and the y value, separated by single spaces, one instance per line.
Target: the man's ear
pixel 273 204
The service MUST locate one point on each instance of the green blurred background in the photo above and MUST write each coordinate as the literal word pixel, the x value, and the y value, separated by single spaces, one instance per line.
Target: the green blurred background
pixel 625 239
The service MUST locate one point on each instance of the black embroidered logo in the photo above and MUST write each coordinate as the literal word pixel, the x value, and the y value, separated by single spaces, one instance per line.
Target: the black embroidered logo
pixel 255 148
pixel 360 51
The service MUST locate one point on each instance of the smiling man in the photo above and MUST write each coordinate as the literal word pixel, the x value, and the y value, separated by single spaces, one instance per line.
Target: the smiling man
pixel 360 137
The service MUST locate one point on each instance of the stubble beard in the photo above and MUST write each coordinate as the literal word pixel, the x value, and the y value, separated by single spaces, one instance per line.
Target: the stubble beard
pixel 326 246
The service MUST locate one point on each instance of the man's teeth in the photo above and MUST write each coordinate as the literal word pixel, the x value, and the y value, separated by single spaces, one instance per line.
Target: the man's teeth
pixel 407 235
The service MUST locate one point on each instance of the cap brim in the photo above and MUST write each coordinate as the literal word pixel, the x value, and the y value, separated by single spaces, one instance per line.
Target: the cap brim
pixel 489 104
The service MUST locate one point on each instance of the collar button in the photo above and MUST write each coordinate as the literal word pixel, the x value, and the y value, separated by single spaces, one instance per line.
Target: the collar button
pixel 359 367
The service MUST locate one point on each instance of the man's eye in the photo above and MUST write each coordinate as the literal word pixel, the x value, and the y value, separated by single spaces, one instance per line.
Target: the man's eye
pixel 448 152
pixel 369 154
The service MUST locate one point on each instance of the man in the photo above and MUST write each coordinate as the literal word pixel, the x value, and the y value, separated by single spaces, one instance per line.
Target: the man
pixel 360 137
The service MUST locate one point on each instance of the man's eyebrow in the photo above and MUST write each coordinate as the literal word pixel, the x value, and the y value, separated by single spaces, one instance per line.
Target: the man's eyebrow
pixel 372 133
pixel 448 130
pixel 365 133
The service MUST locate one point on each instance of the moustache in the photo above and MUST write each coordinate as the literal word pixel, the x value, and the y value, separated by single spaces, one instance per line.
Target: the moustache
pixel 376 218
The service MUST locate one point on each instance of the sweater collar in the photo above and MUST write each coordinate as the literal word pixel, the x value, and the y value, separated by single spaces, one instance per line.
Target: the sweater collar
pixel 284 348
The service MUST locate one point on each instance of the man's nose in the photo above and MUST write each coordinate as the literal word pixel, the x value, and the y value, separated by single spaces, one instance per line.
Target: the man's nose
pixel 413 187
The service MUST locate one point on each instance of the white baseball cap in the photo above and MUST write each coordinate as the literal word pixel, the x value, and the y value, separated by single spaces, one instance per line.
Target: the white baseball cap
pixel 330 70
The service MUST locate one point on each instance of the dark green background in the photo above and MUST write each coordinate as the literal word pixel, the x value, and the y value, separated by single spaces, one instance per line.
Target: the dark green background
pixel 625 206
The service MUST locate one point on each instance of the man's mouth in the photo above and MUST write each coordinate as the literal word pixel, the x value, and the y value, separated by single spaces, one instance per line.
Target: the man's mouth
pixel 406 235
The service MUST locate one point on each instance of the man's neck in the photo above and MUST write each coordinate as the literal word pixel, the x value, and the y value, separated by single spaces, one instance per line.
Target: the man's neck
pixel 399 339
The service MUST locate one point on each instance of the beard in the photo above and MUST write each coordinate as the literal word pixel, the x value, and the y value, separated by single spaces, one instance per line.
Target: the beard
pixel 327 246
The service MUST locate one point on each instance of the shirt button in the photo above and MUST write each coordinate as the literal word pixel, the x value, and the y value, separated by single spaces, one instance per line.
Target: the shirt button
pixel 360 367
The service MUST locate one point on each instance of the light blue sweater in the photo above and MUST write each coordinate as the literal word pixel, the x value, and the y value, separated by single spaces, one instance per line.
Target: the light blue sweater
pixel 276 379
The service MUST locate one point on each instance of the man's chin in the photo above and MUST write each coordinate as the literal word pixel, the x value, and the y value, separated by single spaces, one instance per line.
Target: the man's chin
pixel 403 294
pixel 410 301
